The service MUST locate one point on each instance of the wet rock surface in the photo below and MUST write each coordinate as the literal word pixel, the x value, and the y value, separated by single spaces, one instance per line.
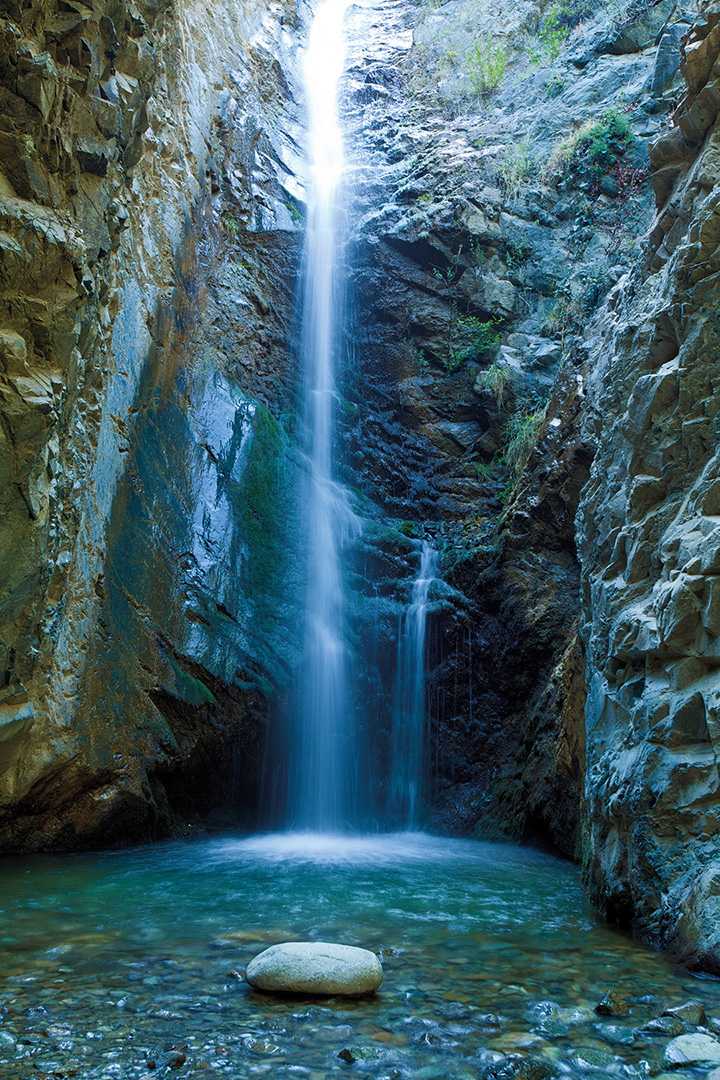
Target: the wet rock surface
pixel 476 258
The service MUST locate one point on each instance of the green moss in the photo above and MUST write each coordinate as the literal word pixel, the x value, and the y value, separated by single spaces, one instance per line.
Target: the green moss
pixel 411 528
pixel 188 687
pixel 260 500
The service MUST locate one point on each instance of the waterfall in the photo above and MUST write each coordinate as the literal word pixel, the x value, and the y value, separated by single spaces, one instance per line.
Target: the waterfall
pixel 320 777
pixel 408 728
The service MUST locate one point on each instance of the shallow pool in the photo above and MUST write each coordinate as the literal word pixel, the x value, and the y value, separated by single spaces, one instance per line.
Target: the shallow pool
pixel 129 964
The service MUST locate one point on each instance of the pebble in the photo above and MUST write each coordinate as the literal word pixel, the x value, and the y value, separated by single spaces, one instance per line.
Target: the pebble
pixel 551 1029
pixel 663 1025
pixel 614 1034
pixel 691 1012
pixel 590 1057
pixel 362 1053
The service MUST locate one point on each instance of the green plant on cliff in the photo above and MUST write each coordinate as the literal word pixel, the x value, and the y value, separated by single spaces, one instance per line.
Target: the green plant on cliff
pixel 469 337
pixel 466 336
pixel 487 63
pixel 559 20
pixel 496 380
pixel 231 227
pixel 593 148
pixel 515 168
pixel 554 86
pixel 551 36
pixel 523 430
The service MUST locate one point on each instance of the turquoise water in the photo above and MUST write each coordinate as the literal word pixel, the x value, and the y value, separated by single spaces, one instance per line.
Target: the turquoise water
pixel 113 963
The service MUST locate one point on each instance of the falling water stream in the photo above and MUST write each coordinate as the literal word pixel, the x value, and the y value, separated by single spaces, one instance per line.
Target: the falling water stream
pixel 408 728
pixel 319 795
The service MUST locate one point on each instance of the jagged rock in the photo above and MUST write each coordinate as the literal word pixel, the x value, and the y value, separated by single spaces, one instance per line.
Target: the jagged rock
pixel 612 1005
pixel 125 690
pixel 649 543
pixel 643 31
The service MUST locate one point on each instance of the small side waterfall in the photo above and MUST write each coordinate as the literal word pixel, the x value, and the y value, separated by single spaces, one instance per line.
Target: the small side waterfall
pixel 408 728
pixel 319 783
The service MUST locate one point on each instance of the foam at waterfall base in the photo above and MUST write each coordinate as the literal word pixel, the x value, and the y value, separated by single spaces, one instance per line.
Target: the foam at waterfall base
pixel 357 849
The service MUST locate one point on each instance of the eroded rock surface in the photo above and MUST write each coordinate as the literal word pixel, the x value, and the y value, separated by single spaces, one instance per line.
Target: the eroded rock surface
pixel 477 258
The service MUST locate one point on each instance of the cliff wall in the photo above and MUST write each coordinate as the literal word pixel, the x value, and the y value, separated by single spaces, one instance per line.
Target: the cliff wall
pixel 649 535
pixel 147 255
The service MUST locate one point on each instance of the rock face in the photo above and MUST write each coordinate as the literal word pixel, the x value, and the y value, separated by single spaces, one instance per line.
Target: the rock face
pixel 476 262
pixel 649 534
pixel 316 967
pixel 144 227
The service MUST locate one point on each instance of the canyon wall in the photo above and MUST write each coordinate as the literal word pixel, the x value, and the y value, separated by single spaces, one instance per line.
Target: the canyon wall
pixel 479 255
pixel 649 535
pixel 148 246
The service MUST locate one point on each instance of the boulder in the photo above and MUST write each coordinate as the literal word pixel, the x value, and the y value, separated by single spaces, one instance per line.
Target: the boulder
pixel 315 967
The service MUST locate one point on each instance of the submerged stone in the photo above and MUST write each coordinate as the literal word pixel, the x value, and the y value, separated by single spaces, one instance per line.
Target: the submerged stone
pixel 315 967
pixel 663 1025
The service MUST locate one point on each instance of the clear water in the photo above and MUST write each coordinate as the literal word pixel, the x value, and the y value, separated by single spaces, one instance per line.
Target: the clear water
pixel 108 962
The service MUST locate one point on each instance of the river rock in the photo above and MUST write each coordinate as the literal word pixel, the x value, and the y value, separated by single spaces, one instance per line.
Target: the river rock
pixel 612 1005
pixel 663 1025
pixel 690 1012
pixel 315 967
pixel 693 1050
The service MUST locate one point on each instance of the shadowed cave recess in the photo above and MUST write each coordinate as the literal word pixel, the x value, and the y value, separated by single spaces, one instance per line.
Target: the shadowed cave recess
pixel 518 465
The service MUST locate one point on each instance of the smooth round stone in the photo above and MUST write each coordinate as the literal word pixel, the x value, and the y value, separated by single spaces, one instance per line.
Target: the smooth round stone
pixel 693 1050
pixel 315 967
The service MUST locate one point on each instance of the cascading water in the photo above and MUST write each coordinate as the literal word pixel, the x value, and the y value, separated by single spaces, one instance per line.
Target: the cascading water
pixel 320 780
pixel 408 729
